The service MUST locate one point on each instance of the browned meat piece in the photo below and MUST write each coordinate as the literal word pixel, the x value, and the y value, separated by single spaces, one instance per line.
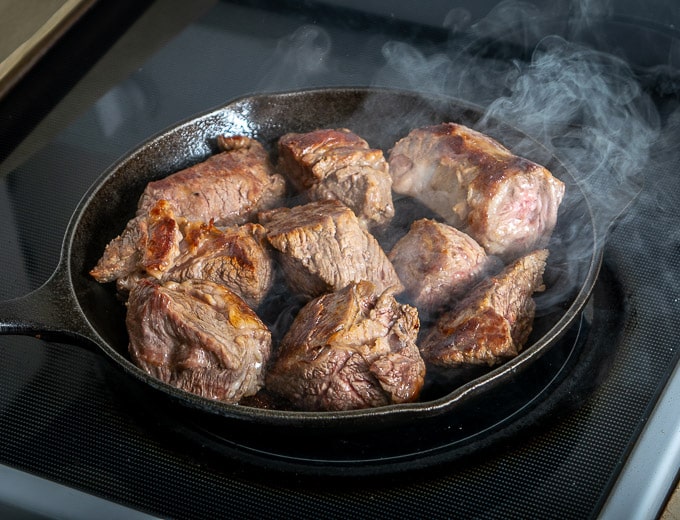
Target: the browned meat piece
pixel 172 249
pixel 228 188
pixel 506 203
pixel 437 263
pixel 198 336
pixel 236 257
pixel 324 248
pixel 493 322
pixel 149 243
pixel 351 349
pixel 338 164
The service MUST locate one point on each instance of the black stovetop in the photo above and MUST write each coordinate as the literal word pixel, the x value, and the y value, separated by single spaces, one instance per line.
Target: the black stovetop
pixel 62 419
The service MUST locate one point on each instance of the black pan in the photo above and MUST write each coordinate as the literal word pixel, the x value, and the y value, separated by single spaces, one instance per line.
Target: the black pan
pixel 71 307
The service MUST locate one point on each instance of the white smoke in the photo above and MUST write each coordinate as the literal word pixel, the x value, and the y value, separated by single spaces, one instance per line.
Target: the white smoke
pixel 584 106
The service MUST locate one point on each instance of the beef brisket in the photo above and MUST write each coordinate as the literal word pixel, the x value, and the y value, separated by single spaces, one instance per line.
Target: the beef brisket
pixel 167 248
pixel 323 247
pixel 228 188
pixel 338 164
pixel 237 257
pixel 149 244
pixel 437 264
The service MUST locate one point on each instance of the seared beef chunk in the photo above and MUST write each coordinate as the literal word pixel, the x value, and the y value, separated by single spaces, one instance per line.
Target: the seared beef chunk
pixel 149 243
pixel 351 349
pixel 168 248
pixel 506 203
pixel 323 248
pixel 228 188
pixel 338 164
pixel 198 336
pixel 437 263
pixel 237 257
pixel 493 322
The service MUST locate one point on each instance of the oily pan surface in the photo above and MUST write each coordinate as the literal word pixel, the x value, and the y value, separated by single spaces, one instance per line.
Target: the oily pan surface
pixel 379 116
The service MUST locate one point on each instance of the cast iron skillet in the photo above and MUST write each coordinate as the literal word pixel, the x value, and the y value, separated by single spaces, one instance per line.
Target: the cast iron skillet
pixel 72 307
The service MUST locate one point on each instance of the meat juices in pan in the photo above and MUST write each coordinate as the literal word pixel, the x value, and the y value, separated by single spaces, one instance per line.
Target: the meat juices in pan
pixel 323 247
pixel 350 349
pixel 198 336
pixel 506 203
pixel 338 164
pixel 491 323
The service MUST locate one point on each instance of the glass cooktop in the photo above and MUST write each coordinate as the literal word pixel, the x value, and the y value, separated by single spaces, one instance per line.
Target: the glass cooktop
pixel 598 87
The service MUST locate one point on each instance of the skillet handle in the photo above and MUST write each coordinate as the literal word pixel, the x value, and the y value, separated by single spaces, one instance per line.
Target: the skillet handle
pixel 49 312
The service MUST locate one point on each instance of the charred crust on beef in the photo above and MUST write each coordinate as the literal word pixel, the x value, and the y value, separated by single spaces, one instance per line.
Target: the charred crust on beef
pixel 173 249
pixel 351 349
pixel 162 245
pixel 149 243
pixel 492 323
pixel 238 257
pixel 229 143
pixel 226 189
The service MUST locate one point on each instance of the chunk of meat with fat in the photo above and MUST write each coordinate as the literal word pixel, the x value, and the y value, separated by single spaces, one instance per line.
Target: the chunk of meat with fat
pixel 226 189
pixel 493 322
pixel 508 204
pixel 350 349
pixel 437 263
pixel 198 336
pixel 338 164
pixel 323 247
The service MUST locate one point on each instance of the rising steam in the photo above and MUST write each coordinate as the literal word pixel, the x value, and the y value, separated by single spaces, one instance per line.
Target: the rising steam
pixel 584 106
pixel 587 107
pixel 299 57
